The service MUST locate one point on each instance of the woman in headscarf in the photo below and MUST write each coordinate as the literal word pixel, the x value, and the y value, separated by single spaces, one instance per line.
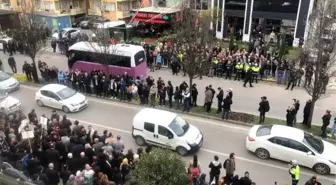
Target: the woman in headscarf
pixel 88 174
pixel 79 180
pixel 71 180
pixel 124 168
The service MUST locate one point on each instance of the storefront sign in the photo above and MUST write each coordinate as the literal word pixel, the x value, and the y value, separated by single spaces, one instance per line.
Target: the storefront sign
pixel 148 15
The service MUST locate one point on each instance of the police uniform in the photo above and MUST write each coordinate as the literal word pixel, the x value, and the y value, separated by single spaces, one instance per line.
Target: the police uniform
pixel 294 171
pixel 255 71
pixel 239 67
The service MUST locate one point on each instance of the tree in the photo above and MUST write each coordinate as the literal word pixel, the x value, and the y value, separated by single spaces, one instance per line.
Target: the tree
pixel 103 42
pixel 162 167
pixel 32 34
pixel 194 38
pixel 321 37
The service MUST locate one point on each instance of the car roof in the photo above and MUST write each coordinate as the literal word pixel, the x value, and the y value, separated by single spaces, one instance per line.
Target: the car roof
pixel 287 132
pixel 155 116
pixel 53 87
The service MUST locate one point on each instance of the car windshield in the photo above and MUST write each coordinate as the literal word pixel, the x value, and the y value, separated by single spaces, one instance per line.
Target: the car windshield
pixel 179 126
pixel 3 95
pixel 4 76
pixel 313 142
pixel 66 93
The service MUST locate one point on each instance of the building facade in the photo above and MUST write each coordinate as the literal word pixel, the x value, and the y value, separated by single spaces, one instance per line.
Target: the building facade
pixel 249 16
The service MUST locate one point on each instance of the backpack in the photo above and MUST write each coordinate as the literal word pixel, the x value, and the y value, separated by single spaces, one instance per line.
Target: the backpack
pixel 225 162
pixel 267 107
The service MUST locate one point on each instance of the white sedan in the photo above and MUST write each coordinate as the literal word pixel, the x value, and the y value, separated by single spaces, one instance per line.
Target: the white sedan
pixel 8 83
pixel 65 32
pixel 288 143
pixel 8 104
pixel 61 97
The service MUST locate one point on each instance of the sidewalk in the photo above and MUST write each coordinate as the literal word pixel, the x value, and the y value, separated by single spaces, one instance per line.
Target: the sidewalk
pixel 244 99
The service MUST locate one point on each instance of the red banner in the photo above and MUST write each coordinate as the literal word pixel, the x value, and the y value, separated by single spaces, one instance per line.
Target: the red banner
pixel 148 15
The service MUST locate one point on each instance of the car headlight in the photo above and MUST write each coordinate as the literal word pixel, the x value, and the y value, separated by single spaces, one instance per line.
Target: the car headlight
pixel 73 104
pixel 333 162
pixel 191 143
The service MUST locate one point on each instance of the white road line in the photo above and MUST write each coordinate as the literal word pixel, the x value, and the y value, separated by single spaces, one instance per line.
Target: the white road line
pixel 209 151
pixel 203 121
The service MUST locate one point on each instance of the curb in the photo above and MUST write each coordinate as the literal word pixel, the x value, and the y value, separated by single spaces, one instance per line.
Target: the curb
pixel 175 111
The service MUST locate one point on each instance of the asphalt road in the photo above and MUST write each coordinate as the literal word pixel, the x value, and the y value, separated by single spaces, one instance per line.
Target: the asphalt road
pixel 244 99
pixel 220 138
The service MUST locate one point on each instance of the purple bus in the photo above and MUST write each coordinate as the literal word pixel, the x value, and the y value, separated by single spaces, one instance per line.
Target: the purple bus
pixel 116 60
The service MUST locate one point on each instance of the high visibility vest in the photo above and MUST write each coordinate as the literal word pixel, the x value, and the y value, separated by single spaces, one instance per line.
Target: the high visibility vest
pixel 180 56
pixel 239 66
pixel 295 172
pixel 255 69
pixel 246 67
pixel 215 62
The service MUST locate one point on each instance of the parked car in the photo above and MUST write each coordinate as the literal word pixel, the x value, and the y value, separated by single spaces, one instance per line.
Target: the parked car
pixel 61 97
pixel 77 21
pixel 8 104
pixel 4 40
pixel 8 83
pixel 166 129
pixel 65 32
pixel 288 143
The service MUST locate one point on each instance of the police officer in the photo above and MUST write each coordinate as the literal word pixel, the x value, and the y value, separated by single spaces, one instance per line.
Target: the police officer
pixel 255 71
pixel 239 68
pixel 294 171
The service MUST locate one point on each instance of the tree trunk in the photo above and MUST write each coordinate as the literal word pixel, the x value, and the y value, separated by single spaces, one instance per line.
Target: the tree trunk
pixel 311 113
pixel 190 82
pixel 34 71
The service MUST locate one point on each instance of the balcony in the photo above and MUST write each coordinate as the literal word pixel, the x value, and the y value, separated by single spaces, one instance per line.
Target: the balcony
pixel 76 11
pixel 94 11
pixel 123 14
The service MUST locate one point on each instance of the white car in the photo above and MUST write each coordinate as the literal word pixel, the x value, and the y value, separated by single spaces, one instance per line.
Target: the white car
pixel 166 129
pixel 65 32
pixel 8 104
pixel 288 143
pixel 8 83
pixel 61 97
pixel 4 40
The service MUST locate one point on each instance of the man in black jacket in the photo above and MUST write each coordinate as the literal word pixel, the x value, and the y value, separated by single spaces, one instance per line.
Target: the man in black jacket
pixel 12 64
pixel 227 107
pixel 325 123
pixel 306 112
pixel 220 97
pixel 170 92
pixel 53 156
pixel 215 167
pixel 52 175
pixel 291 79
pixel 263 108
pixel 248 77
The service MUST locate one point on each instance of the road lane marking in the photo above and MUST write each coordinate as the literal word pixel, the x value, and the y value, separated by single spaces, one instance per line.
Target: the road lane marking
pixel 203 121
pixel 208 150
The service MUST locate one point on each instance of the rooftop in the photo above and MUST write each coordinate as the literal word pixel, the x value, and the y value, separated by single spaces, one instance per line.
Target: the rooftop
pixel 155 116
pixel 6 12
pixel 157 10
pixel 53 87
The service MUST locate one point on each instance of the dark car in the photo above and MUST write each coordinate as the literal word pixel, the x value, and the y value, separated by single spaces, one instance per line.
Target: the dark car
pixel 78 20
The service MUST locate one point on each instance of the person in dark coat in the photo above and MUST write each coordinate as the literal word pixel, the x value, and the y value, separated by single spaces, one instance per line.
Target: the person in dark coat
pixel 12 64
pixel 170 93
pixel 248 78
pixel 26 69
pixel 220 97
pixel 227 102
pixel 306 112
pixel 54 44
pixel 291 79
pixel 35 179
pixel 52 175
pixel 65 174
pixel 325 123
pixel 263 108
pixel 290 116
pixel 215 169
pixel 53 156
pixel 194 94
pixel 33 165
pixel 245 180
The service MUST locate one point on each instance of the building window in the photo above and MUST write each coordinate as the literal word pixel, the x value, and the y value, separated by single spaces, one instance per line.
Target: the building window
pixel 202 4
pixel 37 4
pixel 123 6
pixel 47 5
pixel 134 5
pixel 283 6
pixel 110 7
pixel 77 4
pixel 64 5
pixel 235 4
pixel 219 22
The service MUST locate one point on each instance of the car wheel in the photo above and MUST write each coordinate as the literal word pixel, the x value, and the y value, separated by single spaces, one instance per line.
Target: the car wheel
pixel 262 153
pixel 182 151
pixel 321 168
pixel 65 109
pixel 39 103
pixel 140 141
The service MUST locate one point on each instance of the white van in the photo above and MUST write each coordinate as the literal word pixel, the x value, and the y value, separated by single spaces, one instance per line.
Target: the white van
pixel 166 129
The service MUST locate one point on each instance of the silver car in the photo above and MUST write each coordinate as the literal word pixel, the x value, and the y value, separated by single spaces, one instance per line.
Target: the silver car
pixel 9 104
pixel 8 83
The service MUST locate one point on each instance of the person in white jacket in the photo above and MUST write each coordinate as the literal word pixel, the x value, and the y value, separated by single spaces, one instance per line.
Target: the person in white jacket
pixel 186 100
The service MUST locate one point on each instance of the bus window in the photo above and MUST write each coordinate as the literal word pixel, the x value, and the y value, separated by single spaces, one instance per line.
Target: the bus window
pixel 122 61
pixel 139 57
